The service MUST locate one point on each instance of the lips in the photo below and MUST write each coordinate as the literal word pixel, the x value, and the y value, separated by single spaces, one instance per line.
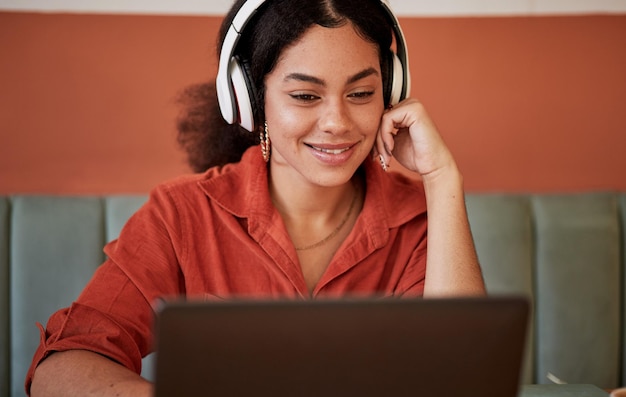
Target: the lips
pixel 332 154
pixel 331 150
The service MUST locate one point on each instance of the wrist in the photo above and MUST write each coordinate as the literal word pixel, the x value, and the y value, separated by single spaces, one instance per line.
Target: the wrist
pixel 446 179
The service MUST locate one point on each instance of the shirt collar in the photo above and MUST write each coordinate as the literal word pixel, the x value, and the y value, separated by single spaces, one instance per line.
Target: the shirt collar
pixel 391 198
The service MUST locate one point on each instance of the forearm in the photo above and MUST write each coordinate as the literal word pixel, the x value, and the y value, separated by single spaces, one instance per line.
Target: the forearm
pixel 451 262
pixel 82 373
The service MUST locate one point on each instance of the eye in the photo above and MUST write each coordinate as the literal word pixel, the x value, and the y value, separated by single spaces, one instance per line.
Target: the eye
pixel 303 97
pixel 361 95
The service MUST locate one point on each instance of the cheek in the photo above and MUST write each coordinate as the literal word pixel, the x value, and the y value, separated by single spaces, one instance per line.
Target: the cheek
pixel 369 120
pixel 283 126
pixel 276 112
pixel 288 120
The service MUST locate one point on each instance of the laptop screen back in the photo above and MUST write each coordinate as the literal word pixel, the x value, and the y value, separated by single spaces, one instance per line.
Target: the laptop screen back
pixel 360 347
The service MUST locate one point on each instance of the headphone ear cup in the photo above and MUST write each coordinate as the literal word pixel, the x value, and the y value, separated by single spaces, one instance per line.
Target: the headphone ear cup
pixel 387 72
pixel 395 80
pixel 244 93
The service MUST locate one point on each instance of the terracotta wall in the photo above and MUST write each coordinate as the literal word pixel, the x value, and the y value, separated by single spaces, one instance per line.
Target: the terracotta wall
pixel 526 103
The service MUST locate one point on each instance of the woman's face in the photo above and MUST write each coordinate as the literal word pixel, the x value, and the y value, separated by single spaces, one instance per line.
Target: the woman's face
pixel 323 105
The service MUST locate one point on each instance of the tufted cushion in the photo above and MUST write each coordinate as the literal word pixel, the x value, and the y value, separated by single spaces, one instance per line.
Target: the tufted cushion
pixel 4 297
pixel 578 288
pixel 52 258
pixel 502 229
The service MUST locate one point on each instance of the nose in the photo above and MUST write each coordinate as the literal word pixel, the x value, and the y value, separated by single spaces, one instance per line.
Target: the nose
pixel 334 117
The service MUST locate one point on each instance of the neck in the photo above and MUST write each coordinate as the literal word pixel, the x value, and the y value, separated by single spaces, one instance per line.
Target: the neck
pixel 307 202
pixel 313 226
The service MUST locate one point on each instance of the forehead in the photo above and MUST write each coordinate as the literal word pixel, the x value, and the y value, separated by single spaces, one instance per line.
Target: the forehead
pixel 331 47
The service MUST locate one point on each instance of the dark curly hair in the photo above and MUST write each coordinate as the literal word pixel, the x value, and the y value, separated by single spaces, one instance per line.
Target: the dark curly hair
pixel 207 139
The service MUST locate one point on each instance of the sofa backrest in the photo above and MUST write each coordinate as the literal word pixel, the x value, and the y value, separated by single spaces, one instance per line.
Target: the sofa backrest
pixel 5 346
pixel 49 249
pixel 565 252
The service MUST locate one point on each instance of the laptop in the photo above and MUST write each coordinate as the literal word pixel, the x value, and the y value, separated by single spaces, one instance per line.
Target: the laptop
pixel 341 347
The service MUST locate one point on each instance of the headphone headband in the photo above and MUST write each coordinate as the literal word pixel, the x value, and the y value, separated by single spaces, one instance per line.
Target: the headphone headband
pixel 401 52
pixel 225 92
pixel 235 101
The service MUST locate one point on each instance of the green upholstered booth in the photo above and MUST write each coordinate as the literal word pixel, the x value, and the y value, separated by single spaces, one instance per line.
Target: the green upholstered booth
pixel 565 252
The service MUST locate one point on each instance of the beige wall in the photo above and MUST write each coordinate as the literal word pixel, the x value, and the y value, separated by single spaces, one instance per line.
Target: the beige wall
pixel 401 7
pixel 526 103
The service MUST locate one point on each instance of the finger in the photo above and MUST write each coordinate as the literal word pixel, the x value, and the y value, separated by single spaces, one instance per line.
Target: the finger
pixel 387 133
pixel 379 151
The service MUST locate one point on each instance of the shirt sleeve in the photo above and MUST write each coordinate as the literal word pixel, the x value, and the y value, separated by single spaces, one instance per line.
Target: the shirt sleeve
pixel 111 317
pixel 414 276
pixel 114 315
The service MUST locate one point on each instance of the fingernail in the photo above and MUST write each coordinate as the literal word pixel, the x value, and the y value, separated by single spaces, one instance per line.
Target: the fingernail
pixel 382 162
pixel 387 150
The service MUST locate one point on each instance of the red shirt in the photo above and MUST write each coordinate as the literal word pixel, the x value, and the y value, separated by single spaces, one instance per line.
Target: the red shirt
pixel 217 235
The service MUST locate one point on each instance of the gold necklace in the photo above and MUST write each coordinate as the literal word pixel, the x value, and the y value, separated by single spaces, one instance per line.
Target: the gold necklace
pixel 337 229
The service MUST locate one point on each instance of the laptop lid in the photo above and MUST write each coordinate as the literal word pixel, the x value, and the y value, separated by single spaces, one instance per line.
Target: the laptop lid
pixel 356 347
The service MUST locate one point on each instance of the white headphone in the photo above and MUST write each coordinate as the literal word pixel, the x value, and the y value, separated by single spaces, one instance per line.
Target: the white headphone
pixel 235 89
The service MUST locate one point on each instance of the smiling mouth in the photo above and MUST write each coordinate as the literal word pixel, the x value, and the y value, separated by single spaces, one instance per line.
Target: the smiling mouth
pixel 330 151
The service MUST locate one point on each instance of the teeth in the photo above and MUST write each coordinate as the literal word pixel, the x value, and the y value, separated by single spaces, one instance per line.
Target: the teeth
pixel 331 151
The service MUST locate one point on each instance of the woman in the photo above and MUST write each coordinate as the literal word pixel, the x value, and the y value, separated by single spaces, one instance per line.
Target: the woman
pixel 312 212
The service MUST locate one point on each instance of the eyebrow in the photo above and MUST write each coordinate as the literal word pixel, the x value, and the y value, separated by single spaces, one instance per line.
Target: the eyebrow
pixel 362 74
pixel 315 80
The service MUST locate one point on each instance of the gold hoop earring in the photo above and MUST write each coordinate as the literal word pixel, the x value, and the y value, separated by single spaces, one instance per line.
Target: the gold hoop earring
pixel 264 137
